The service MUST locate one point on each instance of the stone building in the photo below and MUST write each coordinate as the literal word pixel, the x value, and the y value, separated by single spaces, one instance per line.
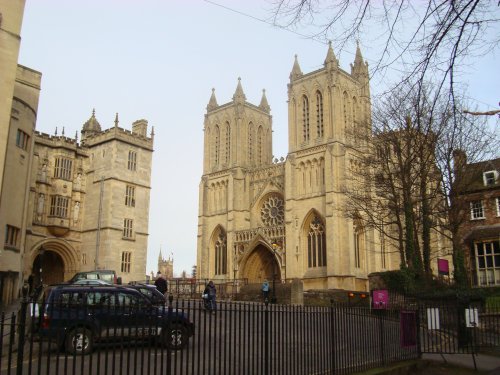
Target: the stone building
pixel 261 218
pixel 19 93
pixel 89 202
pixel 478 189
pixel 166 266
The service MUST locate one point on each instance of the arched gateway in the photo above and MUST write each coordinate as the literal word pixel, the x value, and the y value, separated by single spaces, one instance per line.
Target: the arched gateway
pixel 260 264
pixel 53 261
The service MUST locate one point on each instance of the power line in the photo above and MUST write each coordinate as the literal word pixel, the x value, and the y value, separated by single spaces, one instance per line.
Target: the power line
pixel 265 21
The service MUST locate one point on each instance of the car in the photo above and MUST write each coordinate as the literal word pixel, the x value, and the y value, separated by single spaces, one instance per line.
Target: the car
pixel 150 292
pixel 106 275
pixel 77 317
pixel 91 282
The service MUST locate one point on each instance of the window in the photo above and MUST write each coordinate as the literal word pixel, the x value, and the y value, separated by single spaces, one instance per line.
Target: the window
pixel 217 145
pixel 260 149
pixel 319 114
pixel 250 143
pixel 221 255
pixel 59 206
pixel 130 196
pixel 476 210
pixel 305 118
pixel 11 236
pixel 488 262
pixel 489 178
pixel 127 228
pixel 316 244
pixel 84 258
pixel 359 244
pixel 62 168
pixel 22 139
pixel 132 161
pixel 228 143
pixel 126 256
pixel 497 200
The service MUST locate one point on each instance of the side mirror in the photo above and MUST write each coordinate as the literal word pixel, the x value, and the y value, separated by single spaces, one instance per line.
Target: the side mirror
pixel 119 280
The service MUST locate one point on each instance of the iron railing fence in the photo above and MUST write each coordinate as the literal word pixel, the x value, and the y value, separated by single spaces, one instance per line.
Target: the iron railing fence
pixel 458 327
pixel 236 338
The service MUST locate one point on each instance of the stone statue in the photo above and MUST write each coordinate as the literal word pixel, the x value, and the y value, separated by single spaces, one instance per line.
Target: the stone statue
pixel 39 207
pixel 78 182
pixel 43 173
pixel 76 212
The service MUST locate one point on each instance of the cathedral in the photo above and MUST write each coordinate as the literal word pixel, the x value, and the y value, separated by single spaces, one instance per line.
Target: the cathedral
pixel 261 218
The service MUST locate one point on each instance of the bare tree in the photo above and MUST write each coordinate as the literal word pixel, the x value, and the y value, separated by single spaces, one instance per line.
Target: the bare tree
pixel 414 175
pixel 426 40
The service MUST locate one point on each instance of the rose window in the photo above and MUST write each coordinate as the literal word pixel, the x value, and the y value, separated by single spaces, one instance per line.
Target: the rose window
pixel 273 211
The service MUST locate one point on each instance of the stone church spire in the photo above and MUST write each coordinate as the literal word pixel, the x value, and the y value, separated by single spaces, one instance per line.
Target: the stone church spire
pixel 264 105
pixel 212 103
pixel 91 127
pixel 330 60
pixel 239 95
pixel 296 72
pixel 359 70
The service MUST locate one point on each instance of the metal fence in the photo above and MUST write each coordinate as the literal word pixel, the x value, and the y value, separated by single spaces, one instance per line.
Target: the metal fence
pixel 237 338
pixel 458 327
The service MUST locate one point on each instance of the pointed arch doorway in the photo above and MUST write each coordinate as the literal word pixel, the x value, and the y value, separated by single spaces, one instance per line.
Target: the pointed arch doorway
pixel 261 264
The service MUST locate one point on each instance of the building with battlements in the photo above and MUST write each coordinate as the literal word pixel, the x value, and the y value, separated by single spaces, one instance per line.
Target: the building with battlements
pixel 89 202
pixel 261 218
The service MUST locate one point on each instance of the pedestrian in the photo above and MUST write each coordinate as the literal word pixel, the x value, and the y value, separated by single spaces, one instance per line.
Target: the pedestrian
pixel 211 292
pixel 265 290
pixel 31 280
pixel 161 283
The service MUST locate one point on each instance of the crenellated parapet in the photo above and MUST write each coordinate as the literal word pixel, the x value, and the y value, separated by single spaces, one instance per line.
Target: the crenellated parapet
pixel 117 133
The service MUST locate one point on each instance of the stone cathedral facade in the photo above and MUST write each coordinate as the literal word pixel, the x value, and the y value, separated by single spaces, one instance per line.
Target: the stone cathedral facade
pixel 261 218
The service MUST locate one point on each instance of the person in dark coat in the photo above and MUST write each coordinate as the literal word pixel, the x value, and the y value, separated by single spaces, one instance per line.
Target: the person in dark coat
pixel 161 283
pixel 211 292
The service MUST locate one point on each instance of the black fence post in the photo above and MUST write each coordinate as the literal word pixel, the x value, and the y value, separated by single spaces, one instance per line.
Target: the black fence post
pixel 332 323
pixel 266 338
pixel 419 348
pixel 381 331
pixel 22 330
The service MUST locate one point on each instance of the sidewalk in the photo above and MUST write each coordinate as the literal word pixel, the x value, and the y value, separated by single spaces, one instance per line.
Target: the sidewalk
pixel 488 363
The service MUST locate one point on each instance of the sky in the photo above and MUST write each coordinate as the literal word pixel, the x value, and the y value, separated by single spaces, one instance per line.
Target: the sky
pixel 159 60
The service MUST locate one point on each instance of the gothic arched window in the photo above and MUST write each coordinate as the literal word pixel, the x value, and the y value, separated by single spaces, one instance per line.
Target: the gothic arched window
pixel 359 244
pixel 260 148
pixel 221 253
pixel 217 145
pixel 228 143
pixel 316 243
pixel 346 109
pixel 305 118
pixel 250 143
pixel 319 114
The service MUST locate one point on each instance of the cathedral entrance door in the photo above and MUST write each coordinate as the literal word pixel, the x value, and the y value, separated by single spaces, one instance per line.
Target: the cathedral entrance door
pixel 261 265
pixel 49 268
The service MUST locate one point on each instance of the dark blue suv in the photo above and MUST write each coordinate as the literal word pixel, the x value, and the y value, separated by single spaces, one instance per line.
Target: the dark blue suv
pixel 78 316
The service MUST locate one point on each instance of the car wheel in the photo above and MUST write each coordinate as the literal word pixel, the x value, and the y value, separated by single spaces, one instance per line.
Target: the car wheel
pixel 176 337
pixel 79 341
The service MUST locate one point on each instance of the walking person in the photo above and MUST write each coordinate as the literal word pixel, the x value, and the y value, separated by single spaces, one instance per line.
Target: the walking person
pixel 265 290
pixel 161 283
pixel 211 292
